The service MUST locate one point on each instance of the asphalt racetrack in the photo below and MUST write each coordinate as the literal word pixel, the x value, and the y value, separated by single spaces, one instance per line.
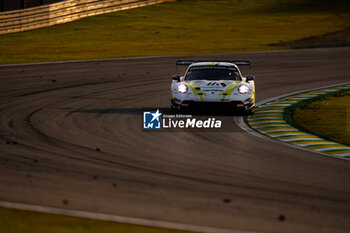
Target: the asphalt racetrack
pixel 71 138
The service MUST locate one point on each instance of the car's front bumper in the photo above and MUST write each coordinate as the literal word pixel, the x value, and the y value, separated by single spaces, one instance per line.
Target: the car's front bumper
pixel 194 105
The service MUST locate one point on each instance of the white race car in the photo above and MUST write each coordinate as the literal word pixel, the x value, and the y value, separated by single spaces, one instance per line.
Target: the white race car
pixel 212 83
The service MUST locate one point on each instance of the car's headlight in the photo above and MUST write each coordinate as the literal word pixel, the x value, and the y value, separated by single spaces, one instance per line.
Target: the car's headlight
pixel 182 88
pixel 243 89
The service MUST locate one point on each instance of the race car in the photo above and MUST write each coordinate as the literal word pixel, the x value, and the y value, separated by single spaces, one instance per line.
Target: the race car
pixel 211 84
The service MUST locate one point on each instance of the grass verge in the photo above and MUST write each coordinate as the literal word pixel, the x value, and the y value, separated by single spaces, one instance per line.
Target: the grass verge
pixel 328 117
pixel 179 27
pixel 14 221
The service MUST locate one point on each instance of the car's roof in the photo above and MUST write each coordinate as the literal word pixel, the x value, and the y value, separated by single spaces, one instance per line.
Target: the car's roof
pixel 213 64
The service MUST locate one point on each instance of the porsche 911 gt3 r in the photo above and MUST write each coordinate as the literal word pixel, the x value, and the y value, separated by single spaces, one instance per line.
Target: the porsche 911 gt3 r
pixel 213 83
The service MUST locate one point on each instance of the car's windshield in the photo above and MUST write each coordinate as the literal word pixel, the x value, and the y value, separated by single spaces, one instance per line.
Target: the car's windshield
pixel 212 73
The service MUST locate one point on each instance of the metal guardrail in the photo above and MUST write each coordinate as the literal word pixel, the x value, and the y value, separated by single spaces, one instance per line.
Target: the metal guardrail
pixel 62 12
pixel 8 5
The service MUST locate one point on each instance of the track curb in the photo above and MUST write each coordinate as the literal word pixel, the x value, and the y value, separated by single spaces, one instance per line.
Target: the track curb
pixel 270 121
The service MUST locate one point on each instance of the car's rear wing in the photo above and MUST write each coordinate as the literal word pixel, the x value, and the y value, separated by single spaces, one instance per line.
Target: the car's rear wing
pixel 189 62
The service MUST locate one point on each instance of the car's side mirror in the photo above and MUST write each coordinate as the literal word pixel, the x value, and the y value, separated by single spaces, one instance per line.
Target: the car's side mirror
pixel 176 77
pixel 249 78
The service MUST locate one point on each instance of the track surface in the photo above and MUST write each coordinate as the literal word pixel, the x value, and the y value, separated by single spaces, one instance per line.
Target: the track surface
pixel 50 132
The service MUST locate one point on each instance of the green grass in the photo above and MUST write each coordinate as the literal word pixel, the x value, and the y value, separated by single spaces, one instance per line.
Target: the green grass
pixel 20 221
pixel 181 27
pixel 328 117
